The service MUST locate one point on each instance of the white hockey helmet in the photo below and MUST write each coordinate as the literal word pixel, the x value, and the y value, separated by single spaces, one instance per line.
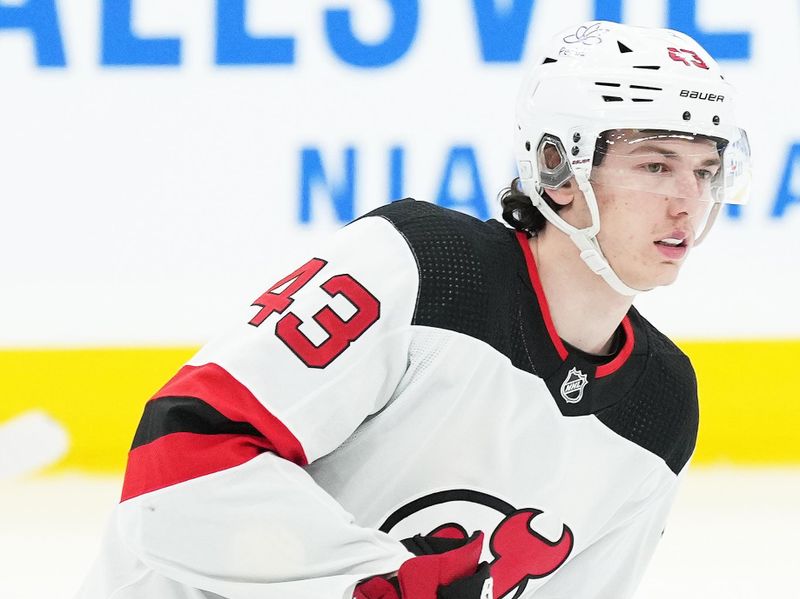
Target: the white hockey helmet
pixel 603 83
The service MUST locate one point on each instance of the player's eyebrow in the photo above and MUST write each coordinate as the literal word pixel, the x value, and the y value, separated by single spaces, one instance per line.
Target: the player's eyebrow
pixel 711 162
pixel 654 149
pixel 672 155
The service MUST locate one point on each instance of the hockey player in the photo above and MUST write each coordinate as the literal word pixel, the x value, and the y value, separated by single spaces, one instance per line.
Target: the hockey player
pixel 434 406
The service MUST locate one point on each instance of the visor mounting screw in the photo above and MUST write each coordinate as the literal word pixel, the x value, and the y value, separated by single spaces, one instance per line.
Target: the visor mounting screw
pixel 575 150
pixel 576 137
pixel 687 116
pixel 715 120
pixel 528 146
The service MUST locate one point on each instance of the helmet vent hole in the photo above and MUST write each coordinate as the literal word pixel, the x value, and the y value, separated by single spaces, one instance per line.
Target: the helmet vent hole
pixel 655 89
pixel 612 99
pixel 528 146
pixel 623 49
pixel 642 99
pixel 607 83
pixel 652 67
pixel 548 60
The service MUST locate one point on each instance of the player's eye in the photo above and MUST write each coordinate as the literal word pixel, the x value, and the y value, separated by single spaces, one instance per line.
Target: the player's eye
pixel 655 167
pixel 705 174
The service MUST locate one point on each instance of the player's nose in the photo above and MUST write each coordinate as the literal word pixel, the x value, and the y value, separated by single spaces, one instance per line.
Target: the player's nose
pixel 687 194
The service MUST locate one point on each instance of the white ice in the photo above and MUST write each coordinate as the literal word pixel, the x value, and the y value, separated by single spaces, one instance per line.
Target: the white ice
pixel 733 534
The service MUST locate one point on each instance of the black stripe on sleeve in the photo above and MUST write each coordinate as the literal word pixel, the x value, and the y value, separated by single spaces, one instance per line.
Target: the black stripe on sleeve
pixel 167 415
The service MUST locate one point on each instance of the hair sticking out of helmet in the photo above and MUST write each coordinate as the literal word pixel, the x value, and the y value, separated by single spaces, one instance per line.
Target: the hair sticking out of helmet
pixel 646 110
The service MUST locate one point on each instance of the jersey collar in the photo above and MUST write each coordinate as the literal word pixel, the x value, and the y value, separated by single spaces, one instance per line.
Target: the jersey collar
pixel 578 386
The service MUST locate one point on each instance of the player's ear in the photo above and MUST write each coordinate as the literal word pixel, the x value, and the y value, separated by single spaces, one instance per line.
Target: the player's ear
pixel 564 194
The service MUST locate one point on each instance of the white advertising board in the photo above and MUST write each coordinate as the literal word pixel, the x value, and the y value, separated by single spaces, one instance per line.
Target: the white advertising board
pixel 164 161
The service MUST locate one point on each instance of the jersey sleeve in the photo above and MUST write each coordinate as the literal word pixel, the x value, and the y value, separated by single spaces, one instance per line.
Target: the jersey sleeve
pixel 215 495
pixel 612 566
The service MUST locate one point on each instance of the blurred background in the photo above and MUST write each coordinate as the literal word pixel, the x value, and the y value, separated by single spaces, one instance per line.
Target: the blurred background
pixel 163 161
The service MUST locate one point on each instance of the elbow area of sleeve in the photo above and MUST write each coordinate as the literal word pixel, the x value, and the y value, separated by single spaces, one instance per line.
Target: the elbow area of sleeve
pixel 263 523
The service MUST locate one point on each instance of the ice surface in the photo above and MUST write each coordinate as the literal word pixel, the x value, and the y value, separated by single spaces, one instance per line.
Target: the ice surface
pixel 733 534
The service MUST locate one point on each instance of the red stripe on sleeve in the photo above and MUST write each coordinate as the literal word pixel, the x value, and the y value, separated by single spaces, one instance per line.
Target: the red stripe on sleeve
pixel 178 457
pixel 219 389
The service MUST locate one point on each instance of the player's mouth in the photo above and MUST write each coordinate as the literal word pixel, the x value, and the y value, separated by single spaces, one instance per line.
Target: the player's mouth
pixel 673 246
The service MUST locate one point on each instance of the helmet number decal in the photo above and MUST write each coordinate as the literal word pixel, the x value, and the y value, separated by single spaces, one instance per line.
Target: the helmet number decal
pixel 687 57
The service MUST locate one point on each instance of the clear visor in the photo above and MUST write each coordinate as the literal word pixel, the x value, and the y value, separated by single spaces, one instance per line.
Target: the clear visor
pixel 702 172
pixel 673 164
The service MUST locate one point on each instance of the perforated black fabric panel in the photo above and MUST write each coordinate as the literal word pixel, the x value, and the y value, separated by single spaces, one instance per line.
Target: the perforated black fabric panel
pixel 661 412
pixel 469 275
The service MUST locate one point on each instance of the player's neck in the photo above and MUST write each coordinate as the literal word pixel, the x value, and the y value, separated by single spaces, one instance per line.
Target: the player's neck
pixel 585 310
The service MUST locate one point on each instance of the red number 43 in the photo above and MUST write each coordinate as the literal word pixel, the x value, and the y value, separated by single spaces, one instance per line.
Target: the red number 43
pixel 687 57
pixel 341 333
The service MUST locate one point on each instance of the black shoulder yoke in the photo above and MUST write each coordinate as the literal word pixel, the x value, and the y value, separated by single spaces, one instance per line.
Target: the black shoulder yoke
pixel 660 413
pixel 468 271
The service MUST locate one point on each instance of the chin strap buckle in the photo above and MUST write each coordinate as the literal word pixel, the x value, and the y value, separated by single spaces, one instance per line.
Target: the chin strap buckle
pixel 594 261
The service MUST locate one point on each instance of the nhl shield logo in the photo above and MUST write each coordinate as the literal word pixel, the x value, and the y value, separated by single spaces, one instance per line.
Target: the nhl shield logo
pixel 572 387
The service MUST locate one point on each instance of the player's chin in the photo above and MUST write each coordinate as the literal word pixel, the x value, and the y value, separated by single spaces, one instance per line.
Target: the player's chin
pixel 666 274
pixel 666 270
pixel 660 274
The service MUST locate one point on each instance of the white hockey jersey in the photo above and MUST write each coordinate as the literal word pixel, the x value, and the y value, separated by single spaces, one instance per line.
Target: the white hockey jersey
pixel 407 377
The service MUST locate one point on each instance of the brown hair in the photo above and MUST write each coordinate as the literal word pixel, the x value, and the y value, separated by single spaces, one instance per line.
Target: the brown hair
pixel 519 211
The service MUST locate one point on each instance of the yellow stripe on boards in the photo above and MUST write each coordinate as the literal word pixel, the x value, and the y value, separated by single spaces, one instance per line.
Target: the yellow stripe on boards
pixel 750 402
pixel 97 394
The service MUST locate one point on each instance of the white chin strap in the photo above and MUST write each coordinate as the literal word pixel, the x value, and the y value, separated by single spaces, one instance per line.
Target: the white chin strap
pixel 586 239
